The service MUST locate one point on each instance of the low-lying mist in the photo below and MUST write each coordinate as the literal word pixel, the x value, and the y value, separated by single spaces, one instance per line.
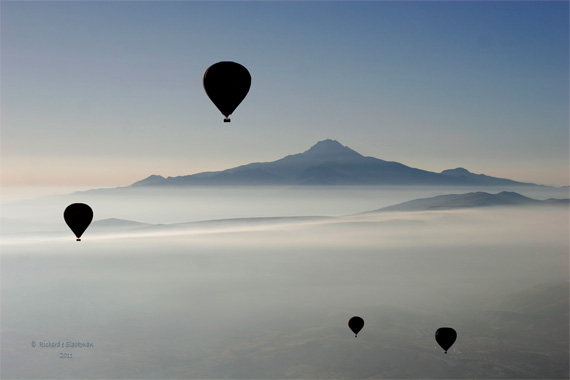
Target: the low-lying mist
pixel 270 298
pixel 190 204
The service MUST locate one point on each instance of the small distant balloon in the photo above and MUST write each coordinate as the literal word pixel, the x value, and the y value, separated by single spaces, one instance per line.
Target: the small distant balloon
pixel 78 216
pixel 356 324
pixel 226 84
pixel 445 337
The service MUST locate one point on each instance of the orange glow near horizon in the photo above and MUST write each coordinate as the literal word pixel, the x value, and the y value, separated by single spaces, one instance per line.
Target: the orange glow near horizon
pixel 89 172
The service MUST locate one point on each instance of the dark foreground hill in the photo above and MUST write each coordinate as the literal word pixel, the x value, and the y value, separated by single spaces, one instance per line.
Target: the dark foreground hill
pixel 470 200
pixel 328 163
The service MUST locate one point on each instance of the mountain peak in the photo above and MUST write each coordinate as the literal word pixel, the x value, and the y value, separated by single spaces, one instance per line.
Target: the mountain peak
pixel 330 147
pixel 328 162
pixel 456 171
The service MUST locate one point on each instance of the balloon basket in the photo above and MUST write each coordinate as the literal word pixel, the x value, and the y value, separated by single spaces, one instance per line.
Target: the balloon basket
pixel 77 239
pixel 227 120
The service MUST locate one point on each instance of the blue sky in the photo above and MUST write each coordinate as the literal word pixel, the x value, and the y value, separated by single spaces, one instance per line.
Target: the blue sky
pixel 107 93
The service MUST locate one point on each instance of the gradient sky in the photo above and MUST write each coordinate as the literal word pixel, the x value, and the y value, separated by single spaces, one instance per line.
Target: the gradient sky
pixel 107 93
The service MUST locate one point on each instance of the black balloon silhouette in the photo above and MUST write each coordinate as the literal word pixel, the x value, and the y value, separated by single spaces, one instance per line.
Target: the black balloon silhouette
pixel 227 84
pixel 78 216
pixel 355 324
pixel 445 337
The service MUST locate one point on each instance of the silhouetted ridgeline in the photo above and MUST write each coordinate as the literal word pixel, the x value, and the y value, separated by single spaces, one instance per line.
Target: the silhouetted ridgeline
pixel 468 200
pixel 329 163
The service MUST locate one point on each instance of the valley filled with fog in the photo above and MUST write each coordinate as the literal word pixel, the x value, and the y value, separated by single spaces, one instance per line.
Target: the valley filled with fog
pixel 239 282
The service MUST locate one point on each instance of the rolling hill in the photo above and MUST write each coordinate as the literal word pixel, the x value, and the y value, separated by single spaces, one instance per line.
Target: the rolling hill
pixel 470 200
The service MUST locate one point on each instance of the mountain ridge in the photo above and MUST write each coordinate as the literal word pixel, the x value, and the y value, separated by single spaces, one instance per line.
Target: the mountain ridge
pixel 470 200
pixel 440 202
pixel 328 162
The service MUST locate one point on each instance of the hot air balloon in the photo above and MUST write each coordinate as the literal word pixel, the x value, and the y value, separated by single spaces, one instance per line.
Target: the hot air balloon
pixel 355 324
pixel 78 216
pixel 226 84
pixel 445 337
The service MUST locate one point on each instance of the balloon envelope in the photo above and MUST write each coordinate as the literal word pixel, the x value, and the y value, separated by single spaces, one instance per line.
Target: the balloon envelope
pixel 445 337
pixel 78 216
pixel 356 324
pixel 226 84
